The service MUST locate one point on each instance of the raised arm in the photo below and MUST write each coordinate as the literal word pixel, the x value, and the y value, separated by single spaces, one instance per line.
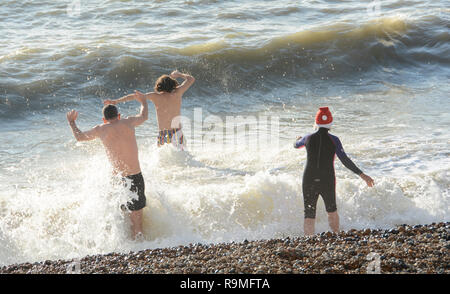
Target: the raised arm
pixel 126 98
pixel 79 135
pixel 188 80
pixel 143 113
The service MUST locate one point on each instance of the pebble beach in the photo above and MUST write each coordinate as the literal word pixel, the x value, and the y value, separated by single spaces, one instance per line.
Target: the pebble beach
pixel 263 69
pixel 405 249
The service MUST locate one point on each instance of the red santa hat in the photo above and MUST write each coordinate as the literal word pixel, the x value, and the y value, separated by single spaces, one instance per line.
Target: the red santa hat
pixel 324 119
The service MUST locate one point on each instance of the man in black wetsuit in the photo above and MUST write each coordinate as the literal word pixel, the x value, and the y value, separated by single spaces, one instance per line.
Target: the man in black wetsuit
pixel 319 176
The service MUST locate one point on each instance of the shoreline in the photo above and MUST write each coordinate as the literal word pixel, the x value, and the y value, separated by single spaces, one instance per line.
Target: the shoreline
pixel 404 249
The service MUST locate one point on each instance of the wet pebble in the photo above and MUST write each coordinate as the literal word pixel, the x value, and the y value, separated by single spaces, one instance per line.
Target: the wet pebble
pixel 405 249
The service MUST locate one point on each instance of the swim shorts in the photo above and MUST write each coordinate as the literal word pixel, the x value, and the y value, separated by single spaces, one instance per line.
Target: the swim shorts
pixel 137 186
pixel 172 136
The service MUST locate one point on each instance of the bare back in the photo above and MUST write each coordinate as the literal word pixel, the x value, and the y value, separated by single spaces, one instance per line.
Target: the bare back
pixel 168 104
pixel 119 140
pixel 168 109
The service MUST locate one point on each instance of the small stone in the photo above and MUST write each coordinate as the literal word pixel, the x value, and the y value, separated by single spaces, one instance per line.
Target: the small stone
pixel 393 231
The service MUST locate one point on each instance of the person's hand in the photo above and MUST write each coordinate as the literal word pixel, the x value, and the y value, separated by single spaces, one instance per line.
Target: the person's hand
pixel 175 74
pixel 139 96
pixel 369 180
pixel 72 116
pixel 108 101
pixel 298 138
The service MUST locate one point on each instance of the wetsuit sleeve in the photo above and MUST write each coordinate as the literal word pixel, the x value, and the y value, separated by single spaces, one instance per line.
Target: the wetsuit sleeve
pixel 300 143
pixel 346 161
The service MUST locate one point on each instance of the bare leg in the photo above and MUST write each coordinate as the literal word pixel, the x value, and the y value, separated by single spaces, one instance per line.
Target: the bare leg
pixel 136 223
pixel 333 221
pixel 308 226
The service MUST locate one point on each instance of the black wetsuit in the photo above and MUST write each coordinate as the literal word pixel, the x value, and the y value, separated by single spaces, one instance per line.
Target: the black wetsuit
pixel 319 176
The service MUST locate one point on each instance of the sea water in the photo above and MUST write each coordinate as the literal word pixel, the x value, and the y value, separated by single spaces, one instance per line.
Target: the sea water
pixel 262 69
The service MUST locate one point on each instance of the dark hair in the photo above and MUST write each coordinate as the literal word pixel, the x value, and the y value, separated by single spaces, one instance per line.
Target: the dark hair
pixel 165 84
pixel 110 112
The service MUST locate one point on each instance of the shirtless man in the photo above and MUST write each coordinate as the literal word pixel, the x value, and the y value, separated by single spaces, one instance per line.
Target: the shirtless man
pixel 167 99
pixel 118 138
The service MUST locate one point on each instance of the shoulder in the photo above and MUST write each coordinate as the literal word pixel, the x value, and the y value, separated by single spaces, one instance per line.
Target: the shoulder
pixel 337 143
pixel 152 95
pixel 306 137
pixel 179 91
pixel 96 131
pixel 127 120
pixel 334 138
pixel 99 127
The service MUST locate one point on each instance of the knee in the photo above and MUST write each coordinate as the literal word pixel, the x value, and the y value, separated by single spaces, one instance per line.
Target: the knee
pixel 310 215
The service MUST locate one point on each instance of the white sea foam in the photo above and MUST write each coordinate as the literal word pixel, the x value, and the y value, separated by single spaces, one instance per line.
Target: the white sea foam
pixel 385 78
pixel 70 209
